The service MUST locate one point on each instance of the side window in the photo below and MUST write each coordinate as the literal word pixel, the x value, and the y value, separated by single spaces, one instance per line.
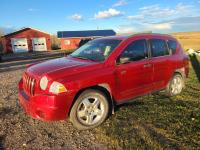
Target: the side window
pixel 172 46
pixel 158 48
pixel 136 50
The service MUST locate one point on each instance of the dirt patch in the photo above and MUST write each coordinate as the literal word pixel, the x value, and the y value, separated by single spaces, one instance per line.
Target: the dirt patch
pixel 19 131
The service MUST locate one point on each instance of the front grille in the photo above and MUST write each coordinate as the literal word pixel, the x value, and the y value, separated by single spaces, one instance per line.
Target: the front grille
pixel 29 84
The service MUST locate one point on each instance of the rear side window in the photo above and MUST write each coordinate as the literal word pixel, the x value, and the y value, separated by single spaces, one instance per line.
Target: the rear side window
pixel 158 48
pixel 172 46
pixel 136 50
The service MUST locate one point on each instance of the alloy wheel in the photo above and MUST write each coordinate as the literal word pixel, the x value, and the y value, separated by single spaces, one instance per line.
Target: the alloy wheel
pixel 90 110
pixel 176 85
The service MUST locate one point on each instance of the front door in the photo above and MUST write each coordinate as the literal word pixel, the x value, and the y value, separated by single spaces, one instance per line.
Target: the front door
pixel 134 78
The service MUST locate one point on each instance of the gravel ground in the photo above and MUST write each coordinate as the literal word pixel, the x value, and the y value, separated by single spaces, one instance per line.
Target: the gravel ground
pixel 19 131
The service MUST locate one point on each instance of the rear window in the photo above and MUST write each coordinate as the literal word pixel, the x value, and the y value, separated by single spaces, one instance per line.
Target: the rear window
pixel 158 48
pixel 172 46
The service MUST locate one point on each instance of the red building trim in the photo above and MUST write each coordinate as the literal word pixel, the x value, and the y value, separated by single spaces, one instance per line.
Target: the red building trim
pixel 70 43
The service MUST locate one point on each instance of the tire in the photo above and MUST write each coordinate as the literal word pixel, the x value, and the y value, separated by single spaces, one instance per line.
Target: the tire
pixel 175 86
pixel 90 110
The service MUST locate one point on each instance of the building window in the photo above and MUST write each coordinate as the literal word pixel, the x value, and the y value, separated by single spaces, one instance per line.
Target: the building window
pixel 67 42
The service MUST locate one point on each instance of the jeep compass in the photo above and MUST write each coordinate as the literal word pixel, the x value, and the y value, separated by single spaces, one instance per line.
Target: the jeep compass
pixel 86 85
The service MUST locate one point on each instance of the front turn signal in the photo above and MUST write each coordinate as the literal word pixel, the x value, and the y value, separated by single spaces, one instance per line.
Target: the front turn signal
pixel 57 88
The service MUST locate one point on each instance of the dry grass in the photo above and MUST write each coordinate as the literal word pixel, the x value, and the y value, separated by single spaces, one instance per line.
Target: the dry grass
pixel 157 122
pixel 189 39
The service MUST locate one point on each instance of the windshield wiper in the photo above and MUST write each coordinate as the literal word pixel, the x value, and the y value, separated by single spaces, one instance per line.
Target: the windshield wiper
pixel 84 58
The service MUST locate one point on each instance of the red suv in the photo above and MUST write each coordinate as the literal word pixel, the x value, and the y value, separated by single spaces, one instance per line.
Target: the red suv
pixel 105 72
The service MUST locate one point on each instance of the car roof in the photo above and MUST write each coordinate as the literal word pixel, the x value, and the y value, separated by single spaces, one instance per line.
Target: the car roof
pixel 119 37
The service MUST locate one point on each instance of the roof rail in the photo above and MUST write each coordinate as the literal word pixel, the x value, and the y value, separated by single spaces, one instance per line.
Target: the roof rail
pixel 145 32
pixel 149 32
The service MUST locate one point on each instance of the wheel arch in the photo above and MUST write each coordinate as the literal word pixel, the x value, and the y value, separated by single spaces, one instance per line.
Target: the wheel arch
pixel 104 87
pixel 180 71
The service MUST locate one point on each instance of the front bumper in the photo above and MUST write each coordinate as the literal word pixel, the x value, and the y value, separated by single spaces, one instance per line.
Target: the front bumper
pixel 46 107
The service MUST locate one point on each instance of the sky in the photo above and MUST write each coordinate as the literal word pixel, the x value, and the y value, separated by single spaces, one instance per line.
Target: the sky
pixel 123 16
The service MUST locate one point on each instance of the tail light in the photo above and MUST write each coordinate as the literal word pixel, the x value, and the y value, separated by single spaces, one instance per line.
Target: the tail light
pixel 186 64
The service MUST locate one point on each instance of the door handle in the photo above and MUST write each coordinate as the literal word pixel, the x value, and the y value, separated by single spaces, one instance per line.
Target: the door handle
pixel 147 65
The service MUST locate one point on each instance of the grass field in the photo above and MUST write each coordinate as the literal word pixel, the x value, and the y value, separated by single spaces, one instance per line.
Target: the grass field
pixel 189 39
pixel 157 122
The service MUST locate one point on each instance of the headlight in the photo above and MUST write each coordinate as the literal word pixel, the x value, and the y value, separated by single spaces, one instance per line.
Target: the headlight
pixel 57 88
pixel 43 83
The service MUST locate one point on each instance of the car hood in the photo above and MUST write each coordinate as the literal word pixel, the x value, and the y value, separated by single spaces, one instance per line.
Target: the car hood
pixel 60 67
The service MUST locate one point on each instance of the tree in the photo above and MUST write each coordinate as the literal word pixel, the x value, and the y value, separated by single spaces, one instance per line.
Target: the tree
pixel 55 42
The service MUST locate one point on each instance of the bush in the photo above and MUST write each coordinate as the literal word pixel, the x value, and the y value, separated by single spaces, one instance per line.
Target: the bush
pixel 55 43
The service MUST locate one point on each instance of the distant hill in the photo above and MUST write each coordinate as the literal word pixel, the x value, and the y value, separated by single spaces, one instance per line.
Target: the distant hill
pixel 188 39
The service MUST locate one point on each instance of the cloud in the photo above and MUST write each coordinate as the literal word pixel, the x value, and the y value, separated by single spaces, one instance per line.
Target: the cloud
pixel 160 26
pixel 126 29
pixel 156 12
pixel 135 17
pixel 183 8
pixel 120 3
pixel 182 24
pixel 137 27
pixel 161 19
pixel 141 27
pixel 108 14
pixel 76 17
pixel 184 21
pixel 32 9
pixel 171 25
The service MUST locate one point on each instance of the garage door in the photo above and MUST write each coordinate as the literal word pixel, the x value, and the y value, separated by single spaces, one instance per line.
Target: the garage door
pixel 19 45
pixel 39 44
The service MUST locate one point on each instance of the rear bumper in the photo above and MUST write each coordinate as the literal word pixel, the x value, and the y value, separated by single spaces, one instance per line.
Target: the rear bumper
pixel 46 107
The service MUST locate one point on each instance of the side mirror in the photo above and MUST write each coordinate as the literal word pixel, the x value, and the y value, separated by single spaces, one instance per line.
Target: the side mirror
pixel 124 60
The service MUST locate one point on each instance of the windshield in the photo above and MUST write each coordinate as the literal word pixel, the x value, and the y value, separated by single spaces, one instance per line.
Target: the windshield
pixel 96 50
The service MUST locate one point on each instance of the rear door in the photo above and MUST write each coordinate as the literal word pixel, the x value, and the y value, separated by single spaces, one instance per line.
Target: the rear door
pixel 39 44
pixel 134 78
pixel 160 59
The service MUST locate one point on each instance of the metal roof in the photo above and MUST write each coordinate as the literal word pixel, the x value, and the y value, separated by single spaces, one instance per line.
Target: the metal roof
pixel 88 33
